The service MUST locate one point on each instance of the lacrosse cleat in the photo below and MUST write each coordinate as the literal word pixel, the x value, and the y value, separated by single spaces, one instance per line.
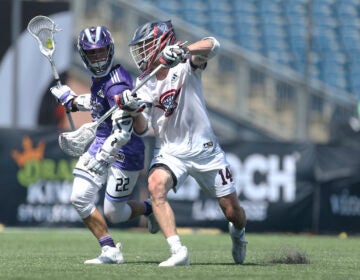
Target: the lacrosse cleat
pixel 178 257
pixel 238 244
pixel 109 255
pixel 152 224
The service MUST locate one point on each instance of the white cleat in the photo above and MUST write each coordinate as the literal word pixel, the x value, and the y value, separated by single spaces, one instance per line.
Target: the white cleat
pixel 180 257
pixel 152 224
pixel 238 245
pixel 109 255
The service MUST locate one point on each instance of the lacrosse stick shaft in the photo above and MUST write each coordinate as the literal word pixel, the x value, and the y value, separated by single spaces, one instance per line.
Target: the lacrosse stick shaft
pixel 58 83
pixel 55 72
pixel 115 107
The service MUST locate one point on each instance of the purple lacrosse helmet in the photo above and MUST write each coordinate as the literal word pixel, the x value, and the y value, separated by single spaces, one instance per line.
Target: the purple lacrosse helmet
pixel 96 47
pixel 148 42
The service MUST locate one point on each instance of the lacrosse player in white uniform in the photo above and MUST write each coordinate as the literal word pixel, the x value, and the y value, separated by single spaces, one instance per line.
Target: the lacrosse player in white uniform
pixel 185 142
pixel 116 156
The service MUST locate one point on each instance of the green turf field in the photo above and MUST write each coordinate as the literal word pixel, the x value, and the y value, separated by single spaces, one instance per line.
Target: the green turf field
pixel 59 254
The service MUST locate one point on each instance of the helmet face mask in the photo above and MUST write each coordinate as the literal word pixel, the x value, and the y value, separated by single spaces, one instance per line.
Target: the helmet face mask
pixel 148 42
pixel 143 53
pixel 96 48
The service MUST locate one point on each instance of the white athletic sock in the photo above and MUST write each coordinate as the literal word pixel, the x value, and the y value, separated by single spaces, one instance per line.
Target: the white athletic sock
pixel 174 242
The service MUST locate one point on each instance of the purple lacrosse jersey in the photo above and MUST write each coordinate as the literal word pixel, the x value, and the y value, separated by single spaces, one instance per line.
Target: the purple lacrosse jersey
pixel 103 90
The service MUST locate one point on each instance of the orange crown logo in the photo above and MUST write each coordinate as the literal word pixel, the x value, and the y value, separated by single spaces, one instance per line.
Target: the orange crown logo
pixel 30 152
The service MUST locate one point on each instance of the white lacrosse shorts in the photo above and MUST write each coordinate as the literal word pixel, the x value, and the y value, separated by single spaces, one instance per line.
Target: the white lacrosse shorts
pixel 119 183
pixel 212 173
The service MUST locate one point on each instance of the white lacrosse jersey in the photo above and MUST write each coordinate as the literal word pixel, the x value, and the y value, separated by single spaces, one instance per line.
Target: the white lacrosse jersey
pixel 178 116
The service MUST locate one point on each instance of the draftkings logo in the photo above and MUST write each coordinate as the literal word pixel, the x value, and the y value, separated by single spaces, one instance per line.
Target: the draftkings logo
pixel 34 167
pixel 30 152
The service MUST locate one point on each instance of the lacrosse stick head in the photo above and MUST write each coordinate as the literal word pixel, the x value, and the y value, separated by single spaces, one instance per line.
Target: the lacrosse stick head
pixel 42 29
pixel 76 142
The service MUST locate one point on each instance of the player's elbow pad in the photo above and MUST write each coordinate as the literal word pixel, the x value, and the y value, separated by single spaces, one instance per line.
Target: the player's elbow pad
pixel 143 133
pixel 215 47
pixel 122 128
pixel 121 137
pixel 115 141
pixel 121 134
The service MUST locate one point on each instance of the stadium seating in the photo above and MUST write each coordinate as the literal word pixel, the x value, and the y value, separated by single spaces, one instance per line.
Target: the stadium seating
pixel 278 30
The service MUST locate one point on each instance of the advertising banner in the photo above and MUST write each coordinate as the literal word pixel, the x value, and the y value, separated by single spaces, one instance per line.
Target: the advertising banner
pixel 275 184
pixel 339 194
pixel 282 186
pixel 36 179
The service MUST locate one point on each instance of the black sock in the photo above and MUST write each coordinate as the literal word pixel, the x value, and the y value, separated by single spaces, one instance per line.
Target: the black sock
pixel 148 208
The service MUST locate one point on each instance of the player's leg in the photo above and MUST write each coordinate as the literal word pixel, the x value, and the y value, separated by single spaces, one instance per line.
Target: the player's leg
pixel 160 181
pixel 85 188
pixel 237 221
pixel 214 176
pixel 117 206
pixel 232 210
pixel 82 198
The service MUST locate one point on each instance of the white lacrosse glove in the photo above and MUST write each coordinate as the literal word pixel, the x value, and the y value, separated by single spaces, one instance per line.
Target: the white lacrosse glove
pixel 130 103
pixel 107 154
pixel 173 55
pixel 64 95
pixel 100 163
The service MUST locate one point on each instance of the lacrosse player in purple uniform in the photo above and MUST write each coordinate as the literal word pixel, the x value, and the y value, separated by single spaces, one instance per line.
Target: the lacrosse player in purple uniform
pixel 185 142
pixel 116 156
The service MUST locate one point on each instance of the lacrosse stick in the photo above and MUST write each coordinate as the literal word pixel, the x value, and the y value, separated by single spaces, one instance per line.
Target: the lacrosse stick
pixel 42 29
pixel 75 142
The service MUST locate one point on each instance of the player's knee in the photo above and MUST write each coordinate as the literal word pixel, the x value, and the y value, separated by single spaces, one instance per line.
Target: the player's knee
pixel 117 213
pixel 156 185
pixel 82 206
pixel 157 191
pixel 82 202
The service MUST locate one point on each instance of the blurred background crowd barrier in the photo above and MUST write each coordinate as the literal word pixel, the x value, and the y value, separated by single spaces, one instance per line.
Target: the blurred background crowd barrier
pixel 282 96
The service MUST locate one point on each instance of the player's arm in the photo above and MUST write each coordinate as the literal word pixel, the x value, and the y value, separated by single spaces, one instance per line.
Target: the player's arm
pixel 203 50
pixel 199 53
pixel 70 100
pixel 121 133
pixel 129 102
pixel 141 124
